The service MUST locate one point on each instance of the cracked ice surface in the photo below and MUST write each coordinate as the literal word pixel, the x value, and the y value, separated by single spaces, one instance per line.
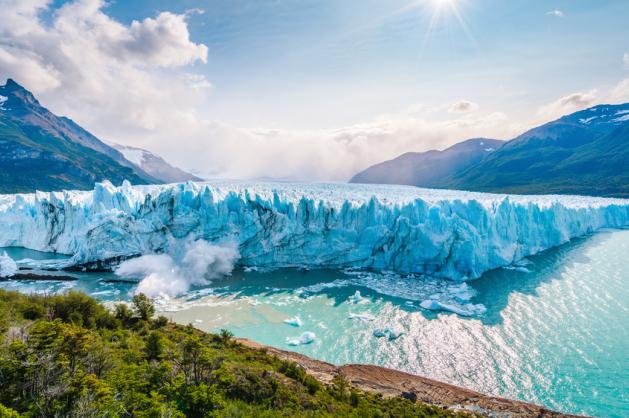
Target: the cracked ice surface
pixel 442 233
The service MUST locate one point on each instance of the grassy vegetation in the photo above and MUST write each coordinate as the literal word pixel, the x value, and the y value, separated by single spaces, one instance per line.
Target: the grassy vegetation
pixel 68 356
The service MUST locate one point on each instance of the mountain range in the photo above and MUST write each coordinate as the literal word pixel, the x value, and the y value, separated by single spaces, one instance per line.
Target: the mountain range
pixel 154 165
pixel 42 151
pixel 586 152
pixel 429 168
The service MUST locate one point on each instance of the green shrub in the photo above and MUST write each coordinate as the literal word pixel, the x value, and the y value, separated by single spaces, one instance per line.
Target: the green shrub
pixel 154 346
pixel 33 310
pixel 8 412
pixel 144 306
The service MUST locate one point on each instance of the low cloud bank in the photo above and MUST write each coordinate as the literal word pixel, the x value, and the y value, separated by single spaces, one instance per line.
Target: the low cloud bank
pixel 189 264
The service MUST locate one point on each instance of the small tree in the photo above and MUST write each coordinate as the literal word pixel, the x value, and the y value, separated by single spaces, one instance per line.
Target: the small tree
pixel 123 313
pixel 143 306
pixel 225 337
pixel 154 346
pixel 340 387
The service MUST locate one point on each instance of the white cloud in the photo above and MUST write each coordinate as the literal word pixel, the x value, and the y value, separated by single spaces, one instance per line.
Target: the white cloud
pixel 463 106
pixel 108 76
pixel 568 104
pixel 625 60
pixel 329 154
pixel 556 13
pixel 620 93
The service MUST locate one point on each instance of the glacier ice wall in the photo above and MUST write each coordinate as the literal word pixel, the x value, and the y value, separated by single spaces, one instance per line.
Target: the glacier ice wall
pixel 451 234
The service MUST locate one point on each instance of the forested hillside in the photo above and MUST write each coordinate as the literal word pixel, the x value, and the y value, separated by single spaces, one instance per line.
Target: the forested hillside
pixel 68 356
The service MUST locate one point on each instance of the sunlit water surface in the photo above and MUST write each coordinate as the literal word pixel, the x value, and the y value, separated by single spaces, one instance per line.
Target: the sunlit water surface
pixel 557 335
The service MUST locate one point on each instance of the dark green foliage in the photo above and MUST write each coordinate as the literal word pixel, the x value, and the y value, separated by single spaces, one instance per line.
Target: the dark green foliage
pixel 144 306
pixel 154 346
pixel 124 314
pixel 160 321
pixel 296 372
pixel 68 356
pixel 225 337
pixel 34 311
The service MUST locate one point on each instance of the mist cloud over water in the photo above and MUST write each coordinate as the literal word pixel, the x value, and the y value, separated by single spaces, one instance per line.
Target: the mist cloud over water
pixel 187 264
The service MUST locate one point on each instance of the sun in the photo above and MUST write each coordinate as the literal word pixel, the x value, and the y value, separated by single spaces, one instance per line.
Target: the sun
pixel 444 11
pixel 440 3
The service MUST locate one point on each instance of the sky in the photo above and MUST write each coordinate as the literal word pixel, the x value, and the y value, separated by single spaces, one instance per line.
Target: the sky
pixel 312 89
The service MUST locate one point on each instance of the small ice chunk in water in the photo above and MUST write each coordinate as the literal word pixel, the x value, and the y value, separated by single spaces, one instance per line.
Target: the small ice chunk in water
pixel 523 262
pixel 362 316
pixel 388 332
pixel 294 321
pixel 8 266
pixel 519 269
pixel 462 292
pixel 435 305
pixel 198 321
pixel 379 333
pixel 357 298
pixel 394 334
pixel 305 338
pixel 466 310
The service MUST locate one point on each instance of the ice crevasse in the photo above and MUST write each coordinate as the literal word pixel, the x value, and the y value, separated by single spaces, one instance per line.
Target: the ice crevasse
pixel 452 234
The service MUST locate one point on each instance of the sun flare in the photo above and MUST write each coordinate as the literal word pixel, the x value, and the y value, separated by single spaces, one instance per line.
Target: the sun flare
pixel 443 12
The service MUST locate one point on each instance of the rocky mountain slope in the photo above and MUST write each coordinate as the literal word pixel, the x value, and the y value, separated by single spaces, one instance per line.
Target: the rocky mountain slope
pixel 430 168
pixel 154 165
pixel 42 151
pixel 582 153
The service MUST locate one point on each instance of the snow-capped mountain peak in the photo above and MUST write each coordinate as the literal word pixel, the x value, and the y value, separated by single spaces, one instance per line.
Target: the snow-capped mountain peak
pixel 154 165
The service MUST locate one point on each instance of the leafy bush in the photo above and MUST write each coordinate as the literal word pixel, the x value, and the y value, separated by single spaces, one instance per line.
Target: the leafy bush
pixel 143 306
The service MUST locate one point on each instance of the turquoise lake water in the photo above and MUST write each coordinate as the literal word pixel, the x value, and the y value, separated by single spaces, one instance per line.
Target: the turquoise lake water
pixel 555 332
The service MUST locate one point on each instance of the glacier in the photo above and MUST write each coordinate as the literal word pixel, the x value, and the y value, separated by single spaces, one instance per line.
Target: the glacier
pixel 440 233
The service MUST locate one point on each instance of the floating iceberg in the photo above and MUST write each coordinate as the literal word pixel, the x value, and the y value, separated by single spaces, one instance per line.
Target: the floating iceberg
pixel 294 321
pixel 366 317
pixel 305 338
pixel 8 267
pixel 465 310
pixel 390 333
pixel 441 233
pixel 357 298
pixel 462 292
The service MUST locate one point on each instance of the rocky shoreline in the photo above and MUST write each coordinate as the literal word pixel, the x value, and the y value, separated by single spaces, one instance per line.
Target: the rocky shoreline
pixel 391 383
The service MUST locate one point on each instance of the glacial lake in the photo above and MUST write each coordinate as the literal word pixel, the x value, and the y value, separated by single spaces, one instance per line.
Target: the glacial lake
pixel 555 331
